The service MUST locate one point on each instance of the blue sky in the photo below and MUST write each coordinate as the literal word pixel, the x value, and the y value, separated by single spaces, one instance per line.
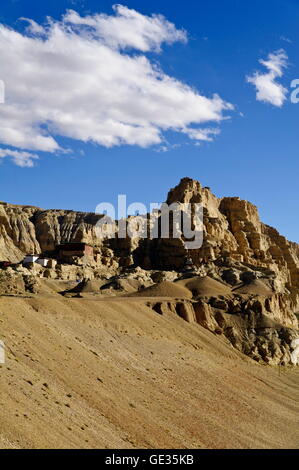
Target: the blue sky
pixel 255 156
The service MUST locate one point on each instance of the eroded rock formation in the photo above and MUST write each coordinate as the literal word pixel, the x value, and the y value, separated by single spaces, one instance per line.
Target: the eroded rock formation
pixel 257 267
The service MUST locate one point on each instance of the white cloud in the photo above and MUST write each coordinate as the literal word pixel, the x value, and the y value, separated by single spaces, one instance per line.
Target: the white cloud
pixel 268 89
pixel 33 27
pixel 76 78
pixel 20 158
pixel 202 134
pixel 128 28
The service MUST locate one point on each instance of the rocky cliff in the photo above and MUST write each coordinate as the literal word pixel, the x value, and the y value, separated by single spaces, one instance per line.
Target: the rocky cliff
pixel 258 267
pixel 233 233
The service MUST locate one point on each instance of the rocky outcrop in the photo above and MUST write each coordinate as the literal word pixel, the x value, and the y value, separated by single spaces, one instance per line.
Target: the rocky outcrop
pixel 251 330
pixel 232 234
pixel 259 266
pixel 26 229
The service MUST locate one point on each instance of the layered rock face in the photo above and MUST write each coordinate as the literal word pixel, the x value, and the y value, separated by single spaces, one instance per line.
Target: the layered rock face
pixel 234 233
pixel 26 229
pixel 232 229
pixel 250 328
pixel 258 265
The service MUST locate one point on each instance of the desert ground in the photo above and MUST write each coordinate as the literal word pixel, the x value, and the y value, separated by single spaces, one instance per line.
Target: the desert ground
pixel 100 372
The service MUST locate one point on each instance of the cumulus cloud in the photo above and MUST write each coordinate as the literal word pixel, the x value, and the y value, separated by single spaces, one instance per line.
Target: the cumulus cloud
pixel 269 90
pixel 128 28
pixel 88 78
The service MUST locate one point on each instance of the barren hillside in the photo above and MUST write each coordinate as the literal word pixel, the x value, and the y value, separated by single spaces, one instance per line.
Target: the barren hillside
pixel 113 373
pixel 137 342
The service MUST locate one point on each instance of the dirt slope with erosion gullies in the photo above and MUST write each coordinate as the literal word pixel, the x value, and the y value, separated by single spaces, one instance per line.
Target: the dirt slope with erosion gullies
pixel 113 373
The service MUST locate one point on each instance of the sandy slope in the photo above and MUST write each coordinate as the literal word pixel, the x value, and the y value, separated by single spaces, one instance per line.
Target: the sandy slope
pixel 114 374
